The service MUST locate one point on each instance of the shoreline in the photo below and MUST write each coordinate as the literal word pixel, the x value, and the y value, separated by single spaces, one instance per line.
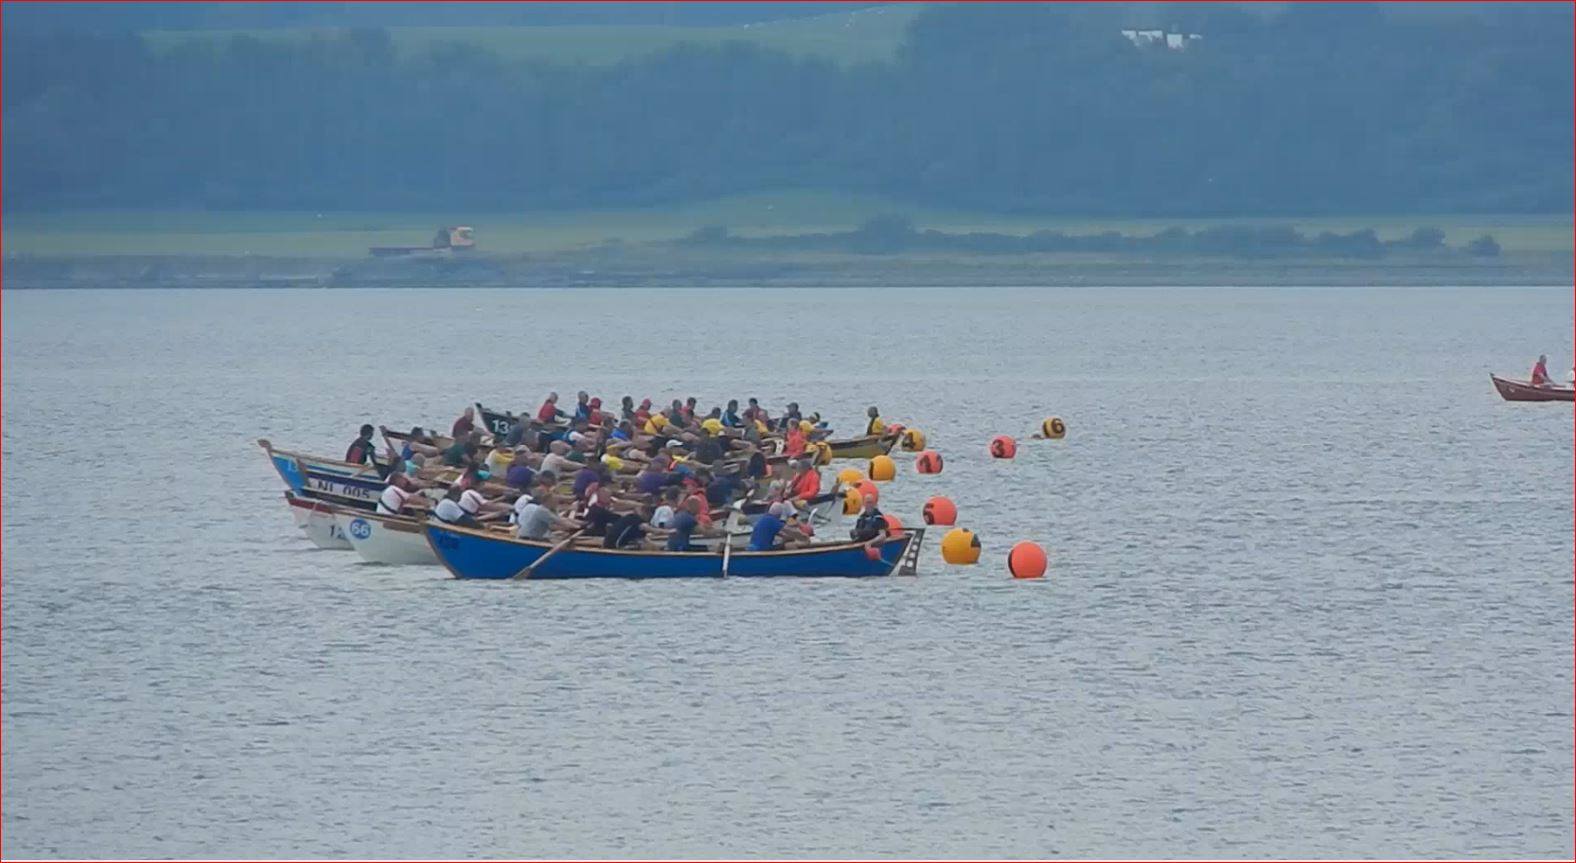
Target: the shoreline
pixel 649 267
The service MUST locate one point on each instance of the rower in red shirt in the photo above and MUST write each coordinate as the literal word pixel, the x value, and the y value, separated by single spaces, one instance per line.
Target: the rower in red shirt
pixel 1540 372
pixel 806 482
pixel 549 410
pixel 793 442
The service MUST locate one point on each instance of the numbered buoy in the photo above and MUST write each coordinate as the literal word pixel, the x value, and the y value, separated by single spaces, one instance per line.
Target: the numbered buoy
pixel 853 501
pixel 866 488
pixel 883 468
pixel 929 461
pixel 1026 560
pixel 960 546
pixel 894 525
pixel 940 511
pixel 913 440
pixel 895 429
pixel 1053 428
pixel 850 476
pixel 1002 446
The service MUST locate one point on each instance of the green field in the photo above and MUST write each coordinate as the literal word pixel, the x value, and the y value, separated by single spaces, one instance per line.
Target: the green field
pixel 347 235
pixel 870 34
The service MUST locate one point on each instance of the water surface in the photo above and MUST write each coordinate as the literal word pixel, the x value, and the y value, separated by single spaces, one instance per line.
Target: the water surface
pixel 1310 590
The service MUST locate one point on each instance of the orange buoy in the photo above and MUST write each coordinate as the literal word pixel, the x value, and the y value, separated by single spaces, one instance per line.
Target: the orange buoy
pixel 872 552
pixel 929 461
pixel 960 546
pixel 894 525
pixel 895 429
pixel 940 511
pixel 853 501
pixel 1002 446
pixel 850 476
pixel 866 488
pixel 913 440
pixel 883 468
pixel 1026 560
pixel 1053 428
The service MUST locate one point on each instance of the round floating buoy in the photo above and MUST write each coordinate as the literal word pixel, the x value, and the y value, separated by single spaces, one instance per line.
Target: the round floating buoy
pixel 940 511
pixel 913 440
pixel 883 468
pixel 866 488
pixel 823 452
pixel 1026 560
pixel 894 525
pixel 929 461
pixel 1053 428
pixel 1002 446
pixel 850 476
pixel 853 501
pixel 960 546
pixel 872 552
pixel 895 429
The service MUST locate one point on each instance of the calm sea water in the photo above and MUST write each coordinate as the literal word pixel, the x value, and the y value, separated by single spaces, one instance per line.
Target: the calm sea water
pixel 1310 590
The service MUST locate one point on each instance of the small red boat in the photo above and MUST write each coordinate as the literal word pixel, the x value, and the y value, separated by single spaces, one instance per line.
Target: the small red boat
pixel 1524 391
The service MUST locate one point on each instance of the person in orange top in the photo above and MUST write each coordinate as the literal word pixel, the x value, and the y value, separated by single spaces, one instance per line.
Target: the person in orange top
pixel 806 481
pixel 793 441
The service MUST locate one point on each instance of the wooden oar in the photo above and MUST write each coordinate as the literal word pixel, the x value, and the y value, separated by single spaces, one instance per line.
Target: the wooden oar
pixel 526 573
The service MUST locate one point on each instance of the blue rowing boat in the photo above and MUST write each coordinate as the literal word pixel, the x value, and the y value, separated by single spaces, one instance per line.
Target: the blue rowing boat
pixel 294 467
pixel 477 553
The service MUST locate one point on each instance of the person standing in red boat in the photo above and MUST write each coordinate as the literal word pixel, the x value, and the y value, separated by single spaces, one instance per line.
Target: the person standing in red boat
pixel 1540 372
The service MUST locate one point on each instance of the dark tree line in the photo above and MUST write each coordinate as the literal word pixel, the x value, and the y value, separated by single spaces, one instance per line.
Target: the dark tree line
pixel 893 234
pixel 1037 109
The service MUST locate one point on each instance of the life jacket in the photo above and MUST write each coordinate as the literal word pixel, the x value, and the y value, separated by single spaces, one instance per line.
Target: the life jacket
pixel 794 443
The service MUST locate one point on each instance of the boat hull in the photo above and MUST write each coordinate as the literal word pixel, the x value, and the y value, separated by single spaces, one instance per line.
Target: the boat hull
pixel 387 539
pixel 319 521
pixel 865 447
pixel 1524 391
pixel 293 467
pixel 471 553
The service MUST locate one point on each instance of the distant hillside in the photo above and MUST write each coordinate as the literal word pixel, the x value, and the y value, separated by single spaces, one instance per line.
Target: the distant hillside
pixel 1044 109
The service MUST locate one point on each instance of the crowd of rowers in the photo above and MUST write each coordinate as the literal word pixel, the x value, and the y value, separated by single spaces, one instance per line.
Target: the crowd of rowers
pixel 637 478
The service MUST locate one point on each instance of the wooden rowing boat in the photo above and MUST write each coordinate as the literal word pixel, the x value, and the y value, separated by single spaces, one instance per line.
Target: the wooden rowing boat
pixel 484 554
pixel 866 447
pixel 1526 391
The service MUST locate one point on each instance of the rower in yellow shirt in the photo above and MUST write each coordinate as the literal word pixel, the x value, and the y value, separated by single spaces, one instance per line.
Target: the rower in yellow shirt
pixel 877 426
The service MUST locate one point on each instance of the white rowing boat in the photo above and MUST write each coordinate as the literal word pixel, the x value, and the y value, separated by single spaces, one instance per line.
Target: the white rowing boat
pixel 318 521
pixel 387 539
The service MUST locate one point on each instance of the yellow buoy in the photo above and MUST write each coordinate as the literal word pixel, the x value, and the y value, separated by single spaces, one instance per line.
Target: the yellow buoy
pixel 883 468
pixel 853 501
pixel 960 546
pixel 913 440
pixel 850 476
pixel 1053 428
pixel 823 452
